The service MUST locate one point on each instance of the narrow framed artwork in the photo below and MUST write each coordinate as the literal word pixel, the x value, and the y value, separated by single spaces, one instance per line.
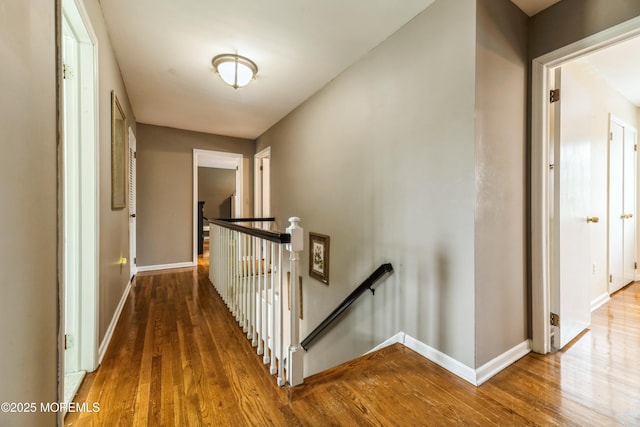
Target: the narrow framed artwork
pixel 118 155
pixel 319 257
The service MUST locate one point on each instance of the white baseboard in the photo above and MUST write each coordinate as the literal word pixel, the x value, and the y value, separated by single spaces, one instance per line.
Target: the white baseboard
pixel 473 376
pixel 397 338
pixel 439 358
pixel 600 301
pixel 165 266
pixel 505 359
pixel 112 326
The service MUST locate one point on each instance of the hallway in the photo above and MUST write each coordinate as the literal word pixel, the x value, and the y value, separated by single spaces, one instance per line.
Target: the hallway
pixel 178 358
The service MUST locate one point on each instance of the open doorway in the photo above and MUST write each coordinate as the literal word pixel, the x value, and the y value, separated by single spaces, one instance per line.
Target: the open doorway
pixel 222 161
pixel 561 69
pixel 132 204
pixel 262 186
pixel 78 198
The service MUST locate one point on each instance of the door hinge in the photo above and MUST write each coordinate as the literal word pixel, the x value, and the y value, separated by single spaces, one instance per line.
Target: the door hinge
pixel 555 319
pixel 635 147
pixel 135 260
pixel 67 73
pixel 68 341
pixel 610 136
pixel 611 278
pixel 554 95
pixel 635 265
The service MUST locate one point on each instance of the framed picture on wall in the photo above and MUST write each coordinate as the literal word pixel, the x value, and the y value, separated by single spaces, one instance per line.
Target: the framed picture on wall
pixel 319 257
pixel 118 155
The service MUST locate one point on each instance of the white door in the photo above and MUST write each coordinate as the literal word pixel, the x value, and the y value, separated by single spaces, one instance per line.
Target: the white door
pixel 266 187
pixel 616 206
pixel 571 246
pixel 629 203
pixel 79 198
pixel 132 203
pixel 622 205
pixel 262 185
pixel 71 207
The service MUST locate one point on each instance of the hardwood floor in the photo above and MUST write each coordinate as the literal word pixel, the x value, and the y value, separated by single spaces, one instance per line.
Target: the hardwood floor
pixel 178 358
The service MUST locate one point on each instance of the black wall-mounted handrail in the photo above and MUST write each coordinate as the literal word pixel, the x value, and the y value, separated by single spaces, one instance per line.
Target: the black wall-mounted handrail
pixel 272 236
pixel 269 219
pixel 366 285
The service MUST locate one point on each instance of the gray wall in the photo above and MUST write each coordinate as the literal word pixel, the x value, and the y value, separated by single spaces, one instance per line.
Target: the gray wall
pixel 28 224
pixel 214 187
pixel 382 160
pixel 114 224
pixel 571 20
pixel 28 264
pixel 500 240
pixel 165 189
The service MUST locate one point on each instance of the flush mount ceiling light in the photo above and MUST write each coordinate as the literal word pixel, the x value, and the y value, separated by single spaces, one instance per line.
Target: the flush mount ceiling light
pixel 235 70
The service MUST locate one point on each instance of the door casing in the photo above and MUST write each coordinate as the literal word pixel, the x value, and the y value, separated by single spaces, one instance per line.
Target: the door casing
pixel 85 189
pixel 541 131
pixel 132 204
pixel 262 184
pixel 219 160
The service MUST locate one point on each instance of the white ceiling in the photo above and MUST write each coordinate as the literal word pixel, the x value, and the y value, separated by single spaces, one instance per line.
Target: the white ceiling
pixel 619 66
pixel 164 49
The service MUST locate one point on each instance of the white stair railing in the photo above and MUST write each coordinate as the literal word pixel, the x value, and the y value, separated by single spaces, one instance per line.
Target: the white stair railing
pixel 248 270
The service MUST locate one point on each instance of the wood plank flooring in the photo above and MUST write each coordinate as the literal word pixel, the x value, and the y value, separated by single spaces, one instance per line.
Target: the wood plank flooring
pixel 178 358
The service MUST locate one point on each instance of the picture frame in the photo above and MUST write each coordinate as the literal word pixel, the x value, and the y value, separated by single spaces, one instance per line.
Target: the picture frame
pixel 118 155
pixel 319 257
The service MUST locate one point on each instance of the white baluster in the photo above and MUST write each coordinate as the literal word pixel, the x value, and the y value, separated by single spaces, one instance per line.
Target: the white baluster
pixel 252 295
pixel 234 274
pixel 225 258
pixel 259 297
pixel 267 321
pixel 272 323
pixel 280 353
pixel 237 278
pixel 229 250
pixel 264 310
pixel 241 280
pixel 295 368
pixel 245 284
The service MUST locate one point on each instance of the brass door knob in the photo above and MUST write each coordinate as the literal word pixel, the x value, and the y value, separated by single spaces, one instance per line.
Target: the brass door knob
pixel 593 219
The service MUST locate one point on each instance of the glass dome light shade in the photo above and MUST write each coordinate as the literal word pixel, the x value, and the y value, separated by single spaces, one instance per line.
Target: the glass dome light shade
pixel 235 70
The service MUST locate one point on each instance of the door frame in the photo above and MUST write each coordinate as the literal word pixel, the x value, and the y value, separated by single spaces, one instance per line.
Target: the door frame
pixel 88 187
pixel 626 130
pixel 257 184
pixel 219 160
pixel 541 137
pixel 132 204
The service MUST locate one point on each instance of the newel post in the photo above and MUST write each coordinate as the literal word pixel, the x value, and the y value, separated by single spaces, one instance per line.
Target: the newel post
pixel 295 369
